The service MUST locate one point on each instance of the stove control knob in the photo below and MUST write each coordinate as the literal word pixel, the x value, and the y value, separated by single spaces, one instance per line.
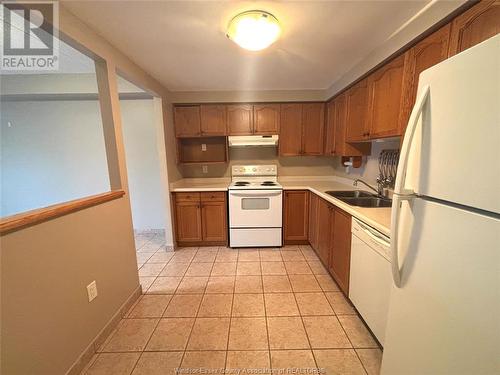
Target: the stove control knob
pixel 254 169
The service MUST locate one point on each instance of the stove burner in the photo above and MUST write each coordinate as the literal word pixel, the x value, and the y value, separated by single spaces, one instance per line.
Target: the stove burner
pixel 241 183
pixel 268 183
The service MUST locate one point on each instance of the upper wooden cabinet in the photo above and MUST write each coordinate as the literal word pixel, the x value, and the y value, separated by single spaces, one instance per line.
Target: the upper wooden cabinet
pixel 479 23
pixel 240 119
pixel 330 128
pixel 290 142
pixel 335 142
pixel 302 127
pixel 313 124
pixel 187 121
pixel 357 112
pixel 213 120
pixel 385 87
pixel 296 216
pixel 266 119
pixel 428 52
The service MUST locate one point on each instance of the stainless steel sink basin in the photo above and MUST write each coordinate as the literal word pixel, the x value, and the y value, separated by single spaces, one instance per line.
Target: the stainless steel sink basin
pixel 350 194
pixel 368 202
pixel 360 198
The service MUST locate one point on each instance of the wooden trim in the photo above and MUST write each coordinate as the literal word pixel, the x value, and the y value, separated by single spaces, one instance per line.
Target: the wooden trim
pixel 16 222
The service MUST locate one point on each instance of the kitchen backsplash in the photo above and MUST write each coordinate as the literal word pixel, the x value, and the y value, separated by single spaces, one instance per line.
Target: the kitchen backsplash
pixel 292 166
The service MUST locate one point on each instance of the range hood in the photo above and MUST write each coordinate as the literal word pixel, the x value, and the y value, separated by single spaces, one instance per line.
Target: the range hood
pixel 253 140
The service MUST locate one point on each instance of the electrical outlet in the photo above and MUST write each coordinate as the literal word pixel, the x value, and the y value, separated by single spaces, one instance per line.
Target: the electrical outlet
pixel 203 147
pixel 92 290
pixel 205 169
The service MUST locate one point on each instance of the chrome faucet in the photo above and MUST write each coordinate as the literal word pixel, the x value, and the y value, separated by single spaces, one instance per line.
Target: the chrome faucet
pixel 379 191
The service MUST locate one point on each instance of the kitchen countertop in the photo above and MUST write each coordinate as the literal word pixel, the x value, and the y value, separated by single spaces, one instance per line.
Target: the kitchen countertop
pixel 200 184
pixel 378 218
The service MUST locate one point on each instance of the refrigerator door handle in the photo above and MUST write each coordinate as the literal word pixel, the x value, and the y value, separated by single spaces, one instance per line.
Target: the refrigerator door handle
pixel 408 138
pixel 396 209
pixel 400 193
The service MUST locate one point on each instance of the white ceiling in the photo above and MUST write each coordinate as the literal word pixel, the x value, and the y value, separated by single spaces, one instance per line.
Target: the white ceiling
pixel 183 43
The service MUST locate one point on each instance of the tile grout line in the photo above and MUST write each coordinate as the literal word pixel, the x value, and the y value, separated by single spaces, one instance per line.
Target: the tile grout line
pixel 265 312
pixel 302 320
pixel 229 329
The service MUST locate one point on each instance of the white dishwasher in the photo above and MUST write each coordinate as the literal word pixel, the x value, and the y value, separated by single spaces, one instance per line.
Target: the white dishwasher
pixel 370 276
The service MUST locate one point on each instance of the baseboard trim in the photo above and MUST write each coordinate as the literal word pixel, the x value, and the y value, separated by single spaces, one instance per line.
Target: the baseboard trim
pixel 94 345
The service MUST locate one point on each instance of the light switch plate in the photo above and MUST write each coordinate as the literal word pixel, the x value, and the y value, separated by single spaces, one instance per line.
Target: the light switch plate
pixel 92 290
pixel 203 147
pixel 205 169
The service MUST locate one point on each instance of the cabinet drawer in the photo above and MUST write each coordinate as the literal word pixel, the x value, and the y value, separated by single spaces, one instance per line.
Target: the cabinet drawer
pixel 213 196
pixel 187 197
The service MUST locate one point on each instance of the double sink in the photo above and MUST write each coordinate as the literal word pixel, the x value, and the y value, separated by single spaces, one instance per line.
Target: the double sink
pixel 360 198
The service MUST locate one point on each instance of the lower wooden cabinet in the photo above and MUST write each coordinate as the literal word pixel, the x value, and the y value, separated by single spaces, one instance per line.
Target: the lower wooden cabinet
pixel 325 216
pixel 313 221
pixel 296 216
pixel 330 237
pixel 188 221
pixel 201 218
pixel 340 250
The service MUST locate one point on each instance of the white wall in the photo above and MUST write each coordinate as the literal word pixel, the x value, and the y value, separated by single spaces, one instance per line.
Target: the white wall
pixel 147 195
pixel 51 152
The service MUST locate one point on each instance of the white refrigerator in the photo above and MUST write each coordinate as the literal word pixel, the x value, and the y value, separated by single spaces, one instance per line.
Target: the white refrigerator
pixel 444 311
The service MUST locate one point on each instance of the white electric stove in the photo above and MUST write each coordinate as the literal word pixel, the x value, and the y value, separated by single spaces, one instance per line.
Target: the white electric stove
pixel 255 206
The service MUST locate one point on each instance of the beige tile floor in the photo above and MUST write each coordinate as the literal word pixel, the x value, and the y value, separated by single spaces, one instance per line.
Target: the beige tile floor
pixel 221 309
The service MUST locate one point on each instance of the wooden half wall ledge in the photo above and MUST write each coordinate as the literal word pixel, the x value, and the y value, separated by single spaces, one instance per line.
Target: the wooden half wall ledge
pixel 16 222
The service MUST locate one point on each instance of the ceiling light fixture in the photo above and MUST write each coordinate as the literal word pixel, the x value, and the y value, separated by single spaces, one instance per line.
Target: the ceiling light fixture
pixel 254 30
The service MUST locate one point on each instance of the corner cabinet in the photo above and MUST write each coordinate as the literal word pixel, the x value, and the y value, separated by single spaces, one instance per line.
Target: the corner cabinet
pixel 313 124
pixel 296 216
pixel 335 132
pixel 302 129
pixel 200 218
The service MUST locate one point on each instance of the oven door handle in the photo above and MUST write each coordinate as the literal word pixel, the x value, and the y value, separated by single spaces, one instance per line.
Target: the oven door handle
pixel 256 194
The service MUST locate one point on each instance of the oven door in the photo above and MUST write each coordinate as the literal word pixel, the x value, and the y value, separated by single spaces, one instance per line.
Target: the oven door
pixel 255 208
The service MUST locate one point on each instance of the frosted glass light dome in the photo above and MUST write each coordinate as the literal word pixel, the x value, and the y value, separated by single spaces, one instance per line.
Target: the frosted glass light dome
pixel 254 30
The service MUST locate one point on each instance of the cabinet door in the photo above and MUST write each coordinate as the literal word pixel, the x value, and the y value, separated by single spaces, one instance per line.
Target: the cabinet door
pixel 213 120
pixel 330 128
pixel 313 125
pixel 340 255
pixel 266 119
pixel 290 142
pixel 296 215
pixel 187 121
pixel 325 216
pixel 313 221
pixel 188 221
pixel 214 221
pixel 357 112
pixel 479 23
pixel 240 119
pixel 428 52
pixel 386 89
